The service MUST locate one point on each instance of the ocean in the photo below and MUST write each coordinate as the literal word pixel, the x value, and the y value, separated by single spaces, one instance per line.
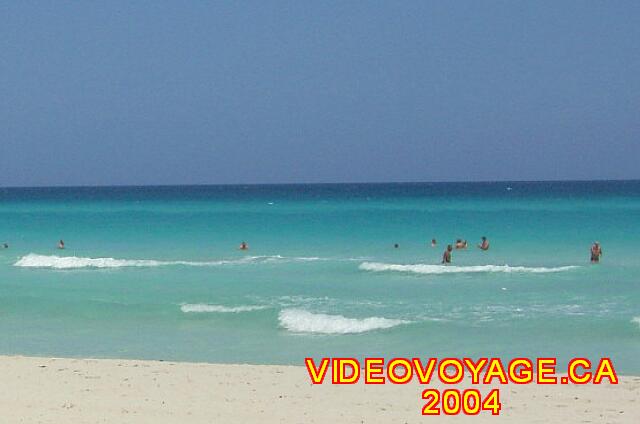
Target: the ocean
pixel 156 273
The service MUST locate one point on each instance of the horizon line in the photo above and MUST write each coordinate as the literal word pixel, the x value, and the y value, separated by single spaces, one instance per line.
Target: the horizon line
pixel 319 183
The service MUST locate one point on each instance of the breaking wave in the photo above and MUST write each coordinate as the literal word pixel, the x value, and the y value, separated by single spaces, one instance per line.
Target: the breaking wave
pixel 33 260
pixel 448 269
pixel 203 307
pixel 301 321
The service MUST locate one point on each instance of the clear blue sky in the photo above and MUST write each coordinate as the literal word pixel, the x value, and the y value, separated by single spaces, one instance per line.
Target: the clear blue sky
pixel 99 93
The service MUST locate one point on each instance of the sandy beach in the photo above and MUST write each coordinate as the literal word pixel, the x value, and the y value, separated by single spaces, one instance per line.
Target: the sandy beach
pixel 54 390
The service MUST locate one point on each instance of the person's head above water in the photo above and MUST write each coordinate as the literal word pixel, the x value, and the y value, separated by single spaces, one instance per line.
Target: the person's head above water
pixel 396 245
pixel 484 238
pixel 449 248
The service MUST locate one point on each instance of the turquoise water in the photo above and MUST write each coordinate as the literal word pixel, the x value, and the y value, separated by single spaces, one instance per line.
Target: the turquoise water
pixel 155 272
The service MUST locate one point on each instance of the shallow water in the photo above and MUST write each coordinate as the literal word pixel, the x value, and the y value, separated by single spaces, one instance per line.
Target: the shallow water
pixel 156 273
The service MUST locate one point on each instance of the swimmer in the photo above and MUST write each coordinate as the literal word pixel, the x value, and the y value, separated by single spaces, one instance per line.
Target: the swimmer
pixel 433 242
pixel 5 246
pixel 396 245
pixel 461 244
pixel 244 246
pixel 61 244
pixel 596 252
pixel 485 244
pixel 446 256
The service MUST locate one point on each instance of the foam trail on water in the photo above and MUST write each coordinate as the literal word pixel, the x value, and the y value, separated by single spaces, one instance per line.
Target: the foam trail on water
pixel 203 308
pixel 636 320
pixel 301 321
pixel 33 260
pixel 449 269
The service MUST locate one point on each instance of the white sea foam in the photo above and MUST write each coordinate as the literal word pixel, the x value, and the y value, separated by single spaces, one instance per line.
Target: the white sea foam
pixel 33 260
pixel 203 307
pixel 636 320
pixel 68 262
pixel 449 269
pixel 301 321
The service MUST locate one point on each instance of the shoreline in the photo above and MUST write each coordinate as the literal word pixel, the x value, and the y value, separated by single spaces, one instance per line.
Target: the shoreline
pixel 54 390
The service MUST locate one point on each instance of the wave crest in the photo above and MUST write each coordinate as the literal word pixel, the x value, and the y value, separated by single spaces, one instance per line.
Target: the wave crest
pixel 203 307
pixel 33 260
pixel 636 320
pixel 449 269
pixel 301 321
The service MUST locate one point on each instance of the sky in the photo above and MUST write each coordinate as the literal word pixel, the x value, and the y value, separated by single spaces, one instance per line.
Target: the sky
pixel 168 92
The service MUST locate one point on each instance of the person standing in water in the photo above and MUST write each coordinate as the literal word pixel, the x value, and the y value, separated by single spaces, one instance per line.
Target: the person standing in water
pixel 446 256
pixel 433 242
pixel 61 244
pixel 485 244
pixel 461 244
pixel 596 252
pixel 244 246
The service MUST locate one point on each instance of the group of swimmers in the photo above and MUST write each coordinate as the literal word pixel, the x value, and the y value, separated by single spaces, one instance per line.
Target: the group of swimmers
pixel 596 249
pixel 460 244
pixel 243 245
pixel 60 245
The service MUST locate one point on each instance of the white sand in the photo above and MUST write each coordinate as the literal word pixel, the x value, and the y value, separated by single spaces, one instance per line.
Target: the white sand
pixel 60 391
